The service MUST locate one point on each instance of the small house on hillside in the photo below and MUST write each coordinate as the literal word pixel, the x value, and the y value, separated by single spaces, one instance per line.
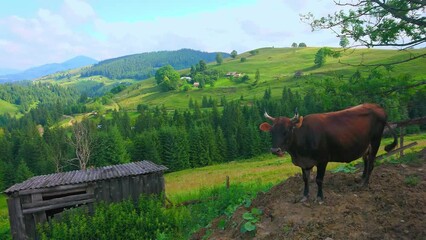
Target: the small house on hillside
pixel 42 197
pixel 234 74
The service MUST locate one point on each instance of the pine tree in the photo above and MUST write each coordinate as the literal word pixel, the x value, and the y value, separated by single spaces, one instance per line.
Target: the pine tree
pixel 22 172
pixel 109 148
pixel 221 145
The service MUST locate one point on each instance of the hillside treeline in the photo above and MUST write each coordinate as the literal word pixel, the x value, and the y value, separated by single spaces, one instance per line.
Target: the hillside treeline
pixel 26 95
pixel 209 131
pixel 144 65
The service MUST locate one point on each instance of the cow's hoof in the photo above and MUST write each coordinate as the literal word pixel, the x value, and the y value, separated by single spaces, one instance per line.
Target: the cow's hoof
pixel 320 201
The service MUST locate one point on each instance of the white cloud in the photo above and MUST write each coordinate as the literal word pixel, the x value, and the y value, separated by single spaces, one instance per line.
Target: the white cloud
pixel 78 10
pixel 76 29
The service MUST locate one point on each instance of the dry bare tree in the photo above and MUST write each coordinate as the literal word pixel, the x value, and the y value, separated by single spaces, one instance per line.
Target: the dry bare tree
pixel 82 143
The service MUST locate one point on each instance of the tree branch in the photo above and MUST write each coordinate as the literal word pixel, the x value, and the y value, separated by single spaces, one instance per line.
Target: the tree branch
pixel 396 13
pixel 384 64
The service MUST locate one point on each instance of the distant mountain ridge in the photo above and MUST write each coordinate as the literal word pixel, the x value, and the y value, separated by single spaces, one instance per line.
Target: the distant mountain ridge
pixel 143 65
pixel 47 69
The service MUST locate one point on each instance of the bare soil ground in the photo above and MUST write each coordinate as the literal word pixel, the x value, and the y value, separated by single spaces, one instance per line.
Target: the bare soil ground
pixel 392 207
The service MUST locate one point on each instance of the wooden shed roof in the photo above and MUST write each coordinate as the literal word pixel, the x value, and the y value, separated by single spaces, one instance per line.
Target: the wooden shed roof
pixel 89 175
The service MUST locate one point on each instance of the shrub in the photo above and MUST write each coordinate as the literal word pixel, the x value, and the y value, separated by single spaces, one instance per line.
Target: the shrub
pixel 298 74
pixel 147 220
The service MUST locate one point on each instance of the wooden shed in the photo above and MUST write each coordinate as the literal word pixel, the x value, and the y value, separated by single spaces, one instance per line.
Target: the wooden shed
pixel 42 197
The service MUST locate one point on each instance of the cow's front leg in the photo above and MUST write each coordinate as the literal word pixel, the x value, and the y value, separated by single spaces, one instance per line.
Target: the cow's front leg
pixel 320 177
pixel 305 173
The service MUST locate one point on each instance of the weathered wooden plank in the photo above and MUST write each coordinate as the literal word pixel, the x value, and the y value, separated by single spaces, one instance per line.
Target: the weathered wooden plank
pixel 30 226
pixel 125 187
pixel 146 185
pixel 115 190
pixel 58 200
pixel 106 191
pixel 52 189
pixel 91 190
pixel 39 217
pixel 59 205
pixel 133 188
pixel 64 192
pixel 396 151
pixel 16 219
pixel 140 186
pixel 163 183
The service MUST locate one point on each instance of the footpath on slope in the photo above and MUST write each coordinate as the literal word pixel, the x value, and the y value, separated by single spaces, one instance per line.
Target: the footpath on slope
pixel 393 206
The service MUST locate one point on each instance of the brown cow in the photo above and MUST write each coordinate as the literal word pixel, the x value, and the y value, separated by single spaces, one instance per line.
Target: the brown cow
pixel 316 139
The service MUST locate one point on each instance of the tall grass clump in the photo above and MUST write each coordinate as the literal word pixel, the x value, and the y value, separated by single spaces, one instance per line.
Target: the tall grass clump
pixel 4 219
pixel 219 201
pixel 150 218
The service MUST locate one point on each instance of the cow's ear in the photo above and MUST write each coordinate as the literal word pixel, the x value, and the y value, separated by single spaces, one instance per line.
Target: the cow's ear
pixel 299 122
pixel 266 127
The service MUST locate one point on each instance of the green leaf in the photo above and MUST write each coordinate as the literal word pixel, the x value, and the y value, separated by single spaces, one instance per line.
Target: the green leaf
pixel 249 226
pixel 221 224
pixel 256 211
pixel 248 216
pixel 247 203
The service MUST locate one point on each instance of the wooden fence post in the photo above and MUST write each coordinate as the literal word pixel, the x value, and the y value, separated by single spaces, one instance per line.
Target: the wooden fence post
pixel 401 140
pixel 227 182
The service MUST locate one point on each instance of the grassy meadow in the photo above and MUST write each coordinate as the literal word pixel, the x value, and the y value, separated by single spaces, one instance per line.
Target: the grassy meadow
pixel 6 107
pixel 4 218
pixel 277 67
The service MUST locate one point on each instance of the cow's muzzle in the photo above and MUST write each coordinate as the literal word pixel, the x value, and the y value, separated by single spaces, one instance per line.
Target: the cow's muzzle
pixel 277 151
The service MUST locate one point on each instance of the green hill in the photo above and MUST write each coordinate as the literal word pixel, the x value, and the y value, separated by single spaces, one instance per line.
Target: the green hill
pixel 143 65
pixel 277 67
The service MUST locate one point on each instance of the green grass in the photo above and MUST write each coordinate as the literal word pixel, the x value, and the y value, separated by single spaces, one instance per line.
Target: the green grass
pixel 277 67
pixel 6 107
pixel 4 218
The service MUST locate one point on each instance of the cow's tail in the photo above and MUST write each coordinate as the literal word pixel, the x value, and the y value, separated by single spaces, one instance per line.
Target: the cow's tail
pixel 395 139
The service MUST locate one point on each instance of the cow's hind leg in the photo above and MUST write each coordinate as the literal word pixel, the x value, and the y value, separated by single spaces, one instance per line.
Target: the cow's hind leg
pixel 365 160
pixel 320 178
pixel 306 173
pixel 368 168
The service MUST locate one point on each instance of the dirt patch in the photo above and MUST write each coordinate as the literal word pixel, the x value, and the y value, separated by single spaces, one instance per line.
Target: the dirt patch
pixel 392 207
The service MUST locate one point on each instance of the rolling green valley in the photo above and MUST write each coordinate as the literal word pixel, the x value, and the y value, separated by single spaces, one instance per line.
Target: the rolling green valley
pixel 212 120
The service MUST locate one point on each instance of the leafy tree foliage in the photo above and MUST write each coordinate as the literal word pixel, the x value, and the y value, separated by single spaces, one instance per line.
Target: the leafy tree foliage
pixel 374 23
pixel 167 78
pixel 219 58
pixel 234 54
pixel 344 42
pixel 322 54
pixel 202 66
pixel 254 52
pixel 257 76
pixel 294 45
pixel 302 44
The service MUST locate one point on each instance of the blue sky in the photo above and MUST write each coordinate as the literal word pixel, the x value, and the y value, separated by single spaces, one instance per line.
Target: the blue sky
pixel 36 32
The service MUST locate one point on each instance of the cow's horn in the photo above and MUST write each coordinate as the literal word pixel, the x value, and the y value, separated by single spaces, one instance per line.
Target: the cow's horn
pixel 268 117
pixel 296 116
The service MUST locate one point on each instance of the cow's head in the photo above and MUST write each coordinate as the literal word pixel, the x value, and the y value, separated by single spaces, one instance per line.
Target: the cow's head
pixel 281 131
